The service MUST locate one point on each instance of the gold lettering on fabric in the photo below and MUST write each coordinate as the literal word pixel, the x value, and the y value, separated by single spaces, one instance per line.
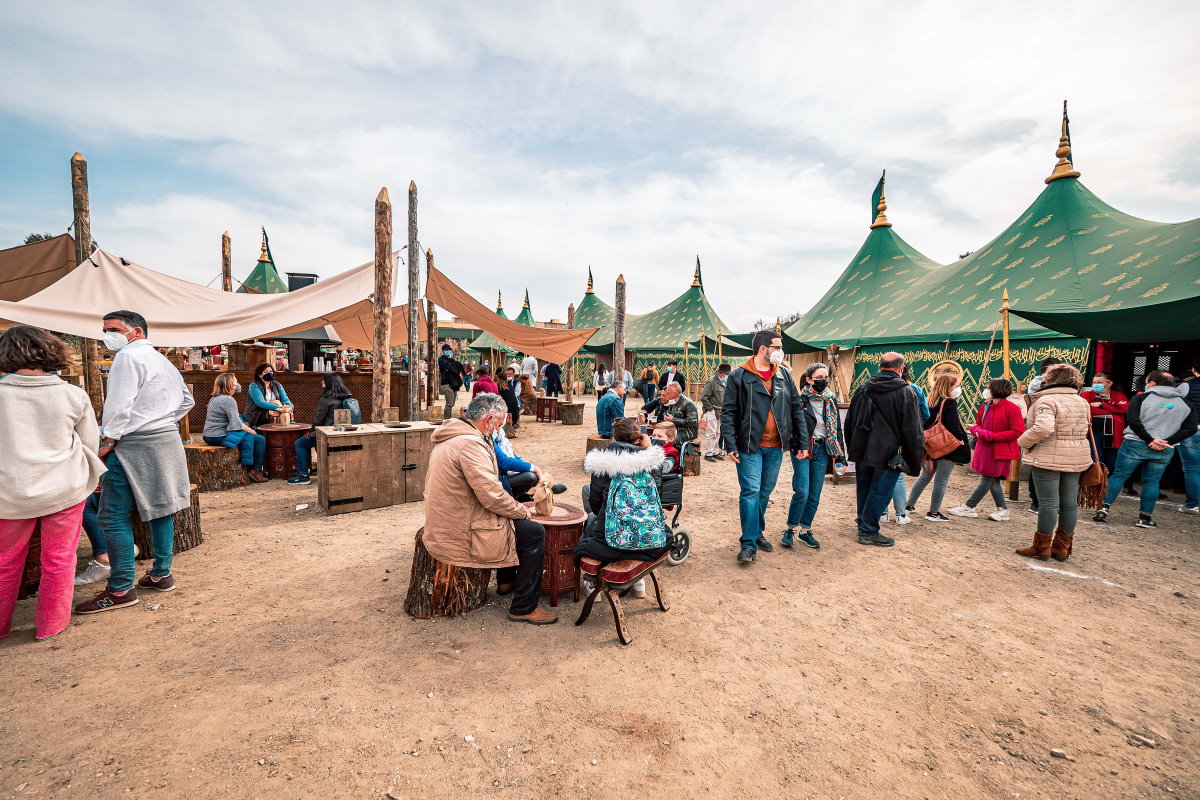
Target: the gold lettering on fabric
pixel 1013 239
pixel 1055 240
pixel 1113 306
pixel 906 325
pixel 886 285
pixel 1029 243
pixel 966 300
pixel 1100 250
pixel 1157 290
pixel 1102 215
pixel 1115 279
pixel 1039 262
pixel 1126 260
pixel 1014 263
pixel 1044 295
pixel 940 308
pixel 859 300
pixel 1129 285
pixel 956 316
pixel 1187 258
pixel 1025 283
pixel 864 259
pixel 923 327
pixel 922 308
pixel 998 285
pixel 985 279
pixel 1060 273
pixel 955 289
pixel 1043 220
pixel 1028 217
pixel 1099 302
pixel 1150 260
pixel 1086 231
pixel 1119 233
pixel 1000 259
pixel 1165 242
pixel 1087 269
pixel 1149 239
pixel 971 271
pixel 970 325
pixel 985 304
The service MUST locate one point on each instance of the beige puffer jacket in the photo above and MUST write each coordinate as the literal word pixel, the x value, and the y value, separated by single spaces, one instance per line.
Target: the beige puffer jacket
pixel 468 515
pixel 1056 431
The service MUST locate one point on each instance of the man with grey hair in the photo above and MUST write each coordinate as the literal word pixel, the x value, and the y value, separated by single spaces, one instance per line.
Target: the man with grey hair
pixel 884 436
pixel 471 521
pixel 672 405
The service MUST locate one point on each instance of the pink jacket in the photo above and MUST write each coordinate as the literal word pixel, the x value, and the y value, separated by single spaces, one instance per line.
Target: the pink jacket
pixel 996 432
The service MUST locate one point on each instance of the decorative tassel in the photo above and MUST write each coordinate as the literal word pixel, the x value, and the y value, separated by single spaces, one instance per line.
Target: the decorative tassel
pixel 1092 497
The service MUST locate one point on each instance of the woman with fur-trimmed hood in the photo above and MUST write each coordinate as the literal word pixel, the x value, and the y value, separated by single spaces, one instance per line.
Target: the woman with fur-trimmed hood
pixel 629 454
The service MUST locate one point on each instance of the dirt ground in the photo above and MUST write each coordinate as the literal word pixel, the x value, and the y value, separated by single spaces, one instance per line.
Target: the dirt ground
pixel 944 667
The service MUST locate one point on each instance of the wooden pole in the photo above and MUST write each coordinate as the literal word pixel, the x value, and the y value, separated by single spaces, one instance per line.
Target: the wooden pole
pixel 1007 349
pixel 619 333
pixel 226 264
pixel 569 367
pixel 83 249
pixel 433 375
pixel 414 299
pixel 381 367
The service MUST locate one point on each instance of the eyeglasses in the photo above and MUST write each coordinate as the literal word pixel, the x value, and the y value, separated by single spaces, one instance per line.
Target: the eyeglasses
pixel 774 347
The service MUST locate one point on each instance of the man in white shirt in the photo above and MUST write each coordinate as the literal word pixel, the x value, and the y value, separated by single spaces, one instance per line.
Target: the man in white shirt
pixel 147 469
pixel 529 366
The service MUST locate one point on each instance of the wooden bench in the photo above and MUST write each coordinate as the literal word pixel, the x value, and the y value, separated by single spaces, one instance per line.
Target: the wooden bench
pixel 614 582
pixel 215 467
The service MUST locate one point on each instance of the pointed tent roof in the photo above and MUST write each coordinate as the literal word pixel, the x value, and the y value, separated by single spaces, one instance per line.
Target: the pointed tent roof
pixel 264 278
pixel 526 315
pixel 592 312
pixel 488 342
pixel 670 328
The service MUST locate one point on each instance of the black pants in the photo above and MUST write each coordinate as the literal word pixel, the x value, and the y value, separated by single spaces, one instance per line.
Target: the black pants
pixel 527 575
pixel 553 387
pixel 521 483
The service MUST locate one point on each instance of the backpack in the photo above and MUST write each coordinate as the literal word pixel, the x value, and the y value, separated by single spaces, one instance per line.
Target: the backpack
pixel 453 373
pixel 351 403
pixel 633 515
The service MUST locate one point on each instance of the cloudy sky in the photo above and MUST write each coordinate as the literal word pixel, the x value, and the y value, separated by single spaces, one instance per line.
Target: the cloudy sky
pixel 548 136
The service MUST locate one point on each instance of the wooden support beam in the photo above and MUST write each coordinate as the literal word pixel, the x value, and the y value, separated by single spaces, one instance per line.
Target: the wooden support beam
pixel 414 298
pixel 83 249
pixel 619 333
pixel 569 367
pixel 433 375
pixel 381 366
pixel 226 264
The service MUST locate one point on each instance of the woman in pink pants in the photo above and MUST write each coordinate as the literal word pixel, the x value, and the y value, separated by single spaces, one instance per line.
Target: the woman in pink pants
pixel 49 438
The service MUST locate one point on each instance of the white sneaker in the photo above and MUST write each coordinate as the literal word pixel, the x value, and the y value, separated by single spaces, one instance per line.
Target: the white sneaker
pixel 903 519
pixel 586 585
pixel 639 589
pixel 963 511
pixel 1000 515
pixel 95 572
pixel 884 518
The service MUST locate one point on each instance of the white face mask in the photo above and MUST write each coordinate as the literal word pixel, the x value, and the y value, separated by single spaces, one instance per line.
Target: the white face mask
pixel 956 392
pixel 114 340
pixel 987 394
pixel 776 356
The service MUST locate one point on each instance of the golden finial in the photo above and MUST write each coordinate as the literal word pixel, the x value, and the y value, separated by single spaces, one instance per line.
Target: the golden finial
pixel 696 277
pixel 263 255
pixel 778 325
pixel 881 220
pixel 1064 168
pixel 526 299
pixel 589 289
pixel 499 303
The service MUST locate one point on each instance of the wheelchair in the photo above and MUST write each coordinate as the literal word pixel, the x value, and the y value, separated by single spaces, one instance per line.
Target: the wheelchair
pixel 679 541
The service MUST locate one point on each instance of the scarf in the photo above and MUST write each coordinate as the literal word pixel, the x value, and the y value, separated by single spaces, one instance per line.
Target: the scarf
pixel 833 422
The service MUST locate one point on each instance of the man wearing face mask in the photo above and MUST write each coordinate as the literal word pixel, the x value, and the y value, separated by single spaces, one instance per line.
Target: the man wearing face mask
pixel 474 522
pixel 672 375
pixel 710 403
pixel 147 469
pixel 761 414
pixel 672 406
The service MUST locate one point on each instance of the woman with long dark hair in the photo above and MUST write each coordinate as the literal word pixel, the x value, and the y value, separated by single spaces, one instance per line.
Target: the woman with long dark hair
pixel 998 423
pixel 333 396
pixel 267 397
pixel 601 378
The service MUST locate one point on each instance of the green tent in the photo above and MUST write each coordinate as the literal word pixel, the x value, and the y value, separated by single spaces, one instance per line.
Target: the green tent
pixel 264 278
pixel 526 316
pixel 489 345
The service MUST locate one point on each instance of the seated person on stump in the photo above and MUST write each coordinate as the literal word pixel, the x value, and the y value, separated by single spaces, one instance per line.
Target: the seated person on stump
pixel 267 398
pixel 672 406
pixel 610 407
pixel 224 427
pixel 333 397
pixel 628 520
pixel 518 475
pixel 471 522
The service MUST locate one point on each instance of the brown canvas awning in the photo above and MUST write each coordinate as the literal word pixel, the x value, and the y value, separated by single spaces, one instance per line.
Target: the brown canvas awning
pixel 27 269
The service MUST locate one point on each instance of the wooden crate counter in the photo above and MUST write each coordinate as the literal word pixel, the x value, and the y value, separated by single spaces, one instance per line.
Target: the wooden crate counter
pixel 372 467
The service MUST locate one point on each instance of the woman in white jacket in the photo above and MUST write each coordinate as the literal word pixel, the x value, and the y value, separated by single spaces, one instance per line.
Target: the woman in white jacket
pixel 49 438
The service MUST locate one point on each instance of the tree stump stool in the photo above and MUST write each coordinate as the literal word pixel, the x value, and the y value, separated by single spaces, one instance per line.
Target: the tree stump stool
pixel 187 529
pixel 441 590
pixel 595 442
pixel 570 413
pixel 214 468
pixel 691 459
pixel 529 405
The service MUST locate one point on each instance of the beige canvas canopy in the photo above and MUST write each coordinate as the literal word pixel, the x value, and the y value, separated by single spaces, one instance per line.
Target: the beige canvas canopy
pixel 29 268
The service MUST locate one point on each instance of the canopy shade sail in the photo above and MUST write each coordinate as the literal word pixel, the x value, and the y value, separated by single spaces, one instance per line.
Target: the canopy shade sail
pixel 182 314
pixel 549 344
pixel 29 268
pixel 355 326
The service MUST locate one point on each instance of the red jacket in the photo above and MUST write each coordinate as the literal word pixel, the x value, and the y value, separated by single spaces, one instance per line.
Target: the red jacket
pixel 996 435
pixel 1115 407
pixel 484 384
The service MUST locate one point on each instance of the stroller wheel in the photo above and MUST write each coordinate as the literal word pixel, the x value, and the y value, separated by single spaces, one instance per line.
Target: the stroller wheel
pixel 681 545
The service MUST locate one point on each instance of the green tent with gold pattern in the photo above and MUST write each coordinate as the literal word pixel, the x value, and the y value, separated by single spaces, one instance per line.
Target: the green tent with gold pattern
pixel 487 344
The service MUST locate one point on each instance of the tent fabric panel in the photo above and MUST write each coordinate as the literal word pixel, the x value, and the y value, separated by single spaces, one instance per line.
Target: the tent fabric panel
pixel 27 269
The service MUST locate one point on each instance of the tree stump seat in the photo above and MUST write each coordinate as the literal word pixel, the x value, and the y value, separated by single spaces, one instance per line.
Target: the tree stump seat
pixel 188 533
pixel 529 405
pixel 570 413
pixel 214 468
pixel 443 590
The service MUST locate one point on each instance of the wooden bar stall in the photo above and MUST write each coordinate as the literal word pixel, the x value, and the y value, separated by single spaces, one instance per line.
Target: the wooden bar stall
pixel 373 466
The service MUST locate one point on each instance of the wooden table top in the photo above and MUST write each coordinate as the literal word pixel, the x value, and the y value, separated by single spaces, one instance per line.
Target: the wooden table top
pixel 564 514
pixel 275 427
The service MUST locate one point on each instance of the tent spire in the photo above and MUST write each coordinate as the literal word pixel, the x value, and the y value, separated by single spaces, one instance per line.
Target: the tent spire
pixel 526 299
pixel 590 290
pixel 881 220
pixel 1064 168
pixel 499 303
pixel 263 255
pixel 696 282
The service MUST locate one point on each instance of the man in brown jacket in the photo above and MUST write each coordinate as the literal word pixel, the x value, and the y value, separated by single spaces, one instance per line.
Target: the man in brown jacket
pixel 470 521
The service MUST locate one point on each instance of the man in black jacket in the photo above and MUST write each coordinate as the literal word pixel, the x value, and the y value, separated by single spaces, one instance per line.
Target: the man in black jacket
pixel 883 422
pixel 672 373
pixel 450 379
pixel 761 414
pixel 672 406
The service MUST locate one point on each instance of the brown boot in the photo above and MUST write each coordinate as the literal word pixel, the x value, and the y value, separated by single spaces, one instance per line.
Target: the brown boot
pixel 257 476
pixel 1040 549
pixel 539 616
pixel 1060 548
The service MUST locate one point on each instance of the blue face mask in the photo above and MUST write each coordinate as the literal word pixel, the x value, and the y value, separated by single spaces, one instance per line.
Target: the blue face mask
pixel 722 378
pixel 1098 388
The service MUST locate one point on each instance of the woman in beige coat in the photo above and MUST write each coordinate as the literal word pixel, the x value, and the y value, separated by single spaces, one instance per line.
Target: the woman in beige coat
pixel 1057 450
pixel 471 521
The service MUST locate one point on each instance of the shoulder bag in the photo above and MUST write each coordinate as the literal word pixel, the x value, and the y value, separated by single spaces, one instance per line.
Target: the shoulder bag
pixel 939 441
pixel 1093 482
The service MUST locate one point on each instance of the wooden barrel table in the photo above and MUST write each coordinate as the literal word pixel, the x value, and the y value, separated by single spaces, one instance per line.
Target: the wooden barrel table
pixel 563 529
pixel 547 409
pixel 281 447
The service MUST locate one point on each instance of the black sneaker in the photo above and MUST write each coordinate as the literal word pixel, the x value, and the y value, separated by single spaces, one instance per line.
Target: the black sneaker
pixel 720 456
pixel 787 540
pixel 910 509
pixel 937 516
pixel 300 480
pixel 808 539
pixel 747 556
pixel 711 458
pixel 1145 522
pixel 1101 515
pixel 108 601
pixel 764 545
pixel 163 583
pixel 877 539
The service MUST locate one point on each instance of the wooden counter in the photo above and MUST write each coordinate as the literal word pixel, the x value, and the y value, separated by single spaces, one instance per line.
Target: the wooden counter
pixel 373 466
pixel 303 388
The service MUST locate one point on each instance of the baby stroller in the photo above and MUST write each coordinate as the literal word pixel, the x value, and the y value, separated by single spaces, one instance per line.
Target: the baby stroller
pixel 679 541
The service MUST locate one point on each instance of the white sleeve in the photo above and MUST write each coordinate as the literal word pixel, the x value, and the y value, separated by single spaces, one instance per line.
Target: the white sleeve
pixel 124 378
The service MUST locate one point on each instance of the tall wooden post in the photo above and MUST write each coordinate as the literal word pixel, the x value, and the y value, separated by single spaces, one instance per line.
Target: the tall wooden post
pixel 569 367
pixel 381 367
pixel 414 299
pixel 83 249
pixel 1007 348
pixel 619 333
pixel 226 264
pixel 434 375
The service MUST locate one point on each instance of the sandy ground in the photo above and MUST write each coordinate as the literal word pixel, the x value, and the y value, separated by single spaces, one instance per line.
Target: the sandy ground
pixel 945 667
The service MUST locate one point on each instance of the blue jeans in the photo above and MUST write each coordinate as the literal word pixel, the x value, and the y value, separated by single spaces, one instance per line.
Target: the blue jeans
pixel 91 525
pixel 808 478
pixel 757 474
pixel 252 447
pixel 874 487
pixel 304 448
pixel 1154 463
pixel 1189 456
pixel 116 507
pixel 899 496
